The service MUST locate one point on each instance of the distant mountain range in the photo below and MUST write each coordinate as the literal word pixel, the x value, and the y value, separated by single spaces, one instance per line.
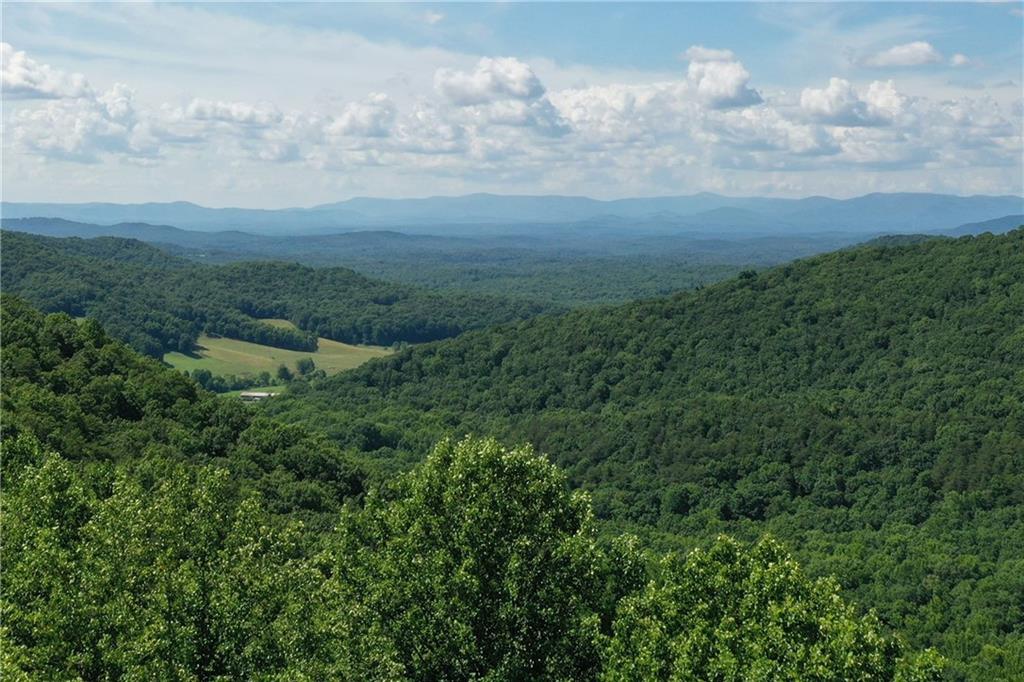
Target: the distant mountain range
pixel 474 214
pixel 995 226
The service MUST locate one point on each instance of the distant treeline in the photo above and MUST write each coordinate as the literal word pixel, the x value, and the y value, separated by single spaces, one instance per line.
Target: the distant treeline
pixel 159 303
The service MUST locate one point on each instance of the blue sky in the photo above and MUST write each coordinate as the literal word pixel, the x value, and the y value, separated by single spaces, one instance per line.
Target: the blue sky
pixel 295 104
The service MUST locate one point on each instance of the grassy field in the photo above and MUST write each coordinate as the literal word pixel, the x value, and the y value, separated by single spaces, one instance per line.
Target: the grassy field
pixel 230 356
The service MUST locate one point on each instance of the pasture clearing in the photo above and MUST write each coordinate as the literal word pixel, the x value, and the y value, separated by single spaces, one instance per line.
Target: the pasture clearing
pixel 224 356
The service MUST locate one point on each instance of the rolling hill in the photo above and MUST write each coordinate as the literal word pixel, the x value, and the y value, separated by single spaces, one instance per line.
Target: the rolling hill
pixel 159 303
pixel 867 406
pixel 996 226
pixel 153 531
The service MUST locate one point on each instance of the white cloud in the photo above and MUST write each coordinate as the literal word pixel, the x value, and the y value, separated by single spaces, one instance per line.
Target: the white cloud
pixel 425 130
pixel 24 78
pixel 627 114
pixel 118 103
pixel 241 113
pixel 881 148
pixel 493 79
pixel 766 129
pixel 699 53
pixel 493 124
pixel 885 101
pixel 916 53
pixel 719 78
pixel 539 115
pixel 371 117
pixel 840 104
pixel 84 130
pixel 959 60
pixel 501 92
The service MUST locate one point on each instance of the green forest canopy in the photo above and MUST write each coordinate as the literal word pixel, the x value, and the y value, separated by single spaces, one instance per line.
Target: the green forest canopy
pixel 159 303
pixel 866 406
pixel 152 530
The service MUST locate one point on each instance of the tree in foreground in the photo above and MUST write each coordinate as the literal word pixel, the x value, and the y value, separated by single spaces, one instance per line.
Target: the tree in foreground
pixel 178 579
pixel 484 565
pixel 480 564
pixel 729 613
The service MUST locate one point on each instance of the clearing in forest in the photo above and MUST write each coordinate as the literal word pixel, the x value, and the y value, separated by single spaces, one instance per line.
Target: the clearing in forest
pixel 224 356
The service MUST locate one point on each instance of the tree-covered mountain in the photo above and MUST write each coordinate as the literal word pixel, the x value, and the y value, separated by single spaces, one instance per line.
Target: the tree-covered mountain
pixel 867 406
pixel 995 225
pixel 159 303
pixel 572 266
pixel 154 531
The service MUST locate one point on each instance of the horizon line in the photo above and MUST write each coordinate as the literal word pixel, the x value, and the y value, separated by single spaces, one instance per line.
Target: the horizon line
pixel 507 196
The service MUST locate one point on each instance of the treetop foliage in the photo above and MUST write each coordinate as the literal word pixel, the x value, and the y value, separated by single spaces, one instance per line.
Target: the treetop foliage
pixel 480 564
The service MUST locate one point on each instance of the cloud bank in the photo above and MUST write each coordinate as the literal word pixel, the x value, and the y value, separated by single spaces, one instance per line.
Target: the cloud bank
pixel 496 121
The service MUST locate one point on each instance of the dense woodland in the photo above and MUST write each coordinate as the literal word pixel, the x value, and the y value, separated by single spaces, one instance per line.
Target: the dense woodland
pixel 569 266
pixel 154 531
pixel 558 280
pixel 159 303
pixel 867 407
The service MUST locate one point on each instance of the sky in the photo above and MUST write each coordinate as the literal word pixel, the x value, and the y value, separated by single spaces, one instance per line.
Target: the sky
pixel 273 105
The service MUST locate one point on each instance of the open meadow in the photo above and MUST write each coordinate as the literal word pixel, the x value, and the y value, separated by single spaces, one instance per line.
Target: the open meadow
pixel 224 356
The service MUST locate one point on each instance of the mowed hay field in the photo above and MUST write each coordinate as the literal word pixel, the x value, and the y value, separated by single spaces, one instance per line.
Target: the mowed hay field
pixel 231 356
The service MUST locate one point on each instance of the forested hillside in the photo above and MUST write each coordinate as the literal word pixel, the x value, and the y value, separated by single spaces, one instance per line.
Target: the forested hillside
pixel 94 400
pixel 159 303
pixel 154 531
pixel 565 267
pixel 867 406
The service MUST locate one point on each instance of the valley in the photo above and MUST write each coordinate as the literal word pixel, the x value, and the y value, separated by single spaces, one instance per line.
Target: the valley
pixel 512 342
pixel 841 404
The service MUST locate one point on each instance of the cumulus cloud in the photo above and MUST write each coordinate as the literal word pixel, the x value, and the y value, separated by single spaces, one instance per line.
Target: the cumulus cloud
pixel 371 117
pixel 84 130
pixel 699 53
pixel 916 53
pixel 540 116
pixel 501 91
pixel 959 60
pixel 497 121
pixel 885 101
pixel 118 103
pixel 240 113
pixel 24 78
pixel 719 79
pixel 493 79
pixel 624 114
pixel 425 130
pixel 765 129
pixel 840 104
